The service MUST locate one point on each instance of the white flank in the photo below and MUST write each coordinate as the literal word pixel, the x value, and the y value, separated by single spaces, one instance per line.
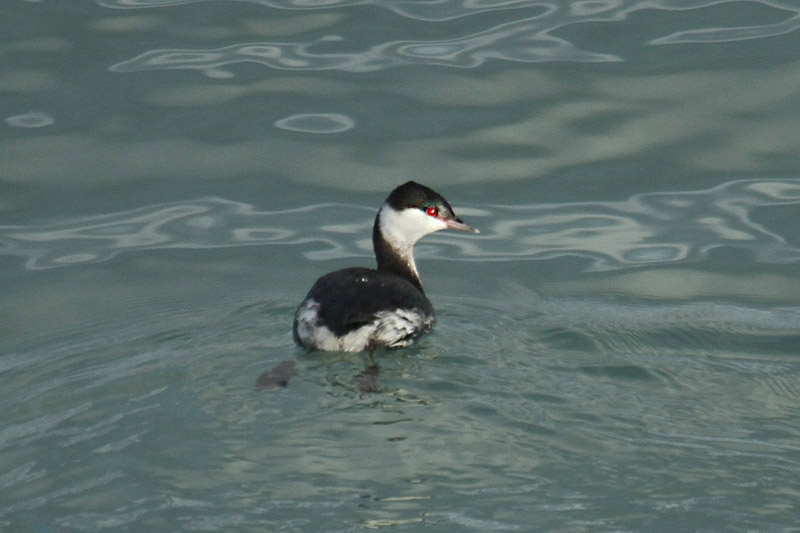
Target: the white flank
pixel 390 329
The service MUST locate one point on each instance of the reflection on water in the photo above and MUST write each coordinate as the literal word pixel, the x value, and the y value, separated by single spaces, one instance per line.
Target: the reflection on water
pixel 515 41
pixel 316 123
pixel 664 389
pixel 34 119
pixel 646 229
pixel 526 39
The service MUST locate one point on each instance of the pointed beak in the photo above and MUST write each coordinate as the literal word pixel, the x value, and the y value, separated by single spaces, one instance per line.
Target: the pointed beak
pixel 457 223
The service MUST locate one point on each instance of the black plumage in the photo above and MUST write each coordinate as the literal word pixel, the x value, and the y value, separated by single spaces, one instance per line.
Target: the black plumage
pixel 350 298
pixel 358 308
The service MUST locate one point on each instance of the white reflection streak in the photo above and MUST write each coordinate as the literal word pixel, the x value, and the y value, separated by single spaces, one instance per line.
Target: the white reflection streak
pixel 621 239
pixel 648 228
pixel 116 233
pixel 202 223
pixel 523 40
pixel 723 35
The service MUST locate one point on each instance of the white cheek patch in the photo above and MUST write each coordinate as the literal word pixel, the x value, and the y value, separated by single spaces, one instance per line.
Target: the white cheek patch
pixel 406 227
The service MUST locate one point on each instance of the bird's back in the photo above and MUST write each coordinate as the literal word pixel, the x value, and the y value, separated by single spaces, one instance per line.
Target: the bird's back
pixel 347 309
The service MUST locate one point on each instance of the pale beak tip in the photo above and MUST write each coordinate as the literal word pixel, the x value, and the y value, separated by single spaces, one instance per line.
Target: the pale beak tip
pixel 460 225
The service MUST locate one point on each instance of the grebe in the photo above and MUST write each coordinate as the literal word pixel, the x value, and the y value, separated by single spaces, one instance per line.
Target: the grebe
pixel 362 310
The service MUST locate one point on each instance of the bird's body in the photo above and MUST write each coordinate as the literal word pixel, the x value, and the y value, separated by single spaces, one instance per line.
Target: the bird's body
pixel 373 309
pixel 361 309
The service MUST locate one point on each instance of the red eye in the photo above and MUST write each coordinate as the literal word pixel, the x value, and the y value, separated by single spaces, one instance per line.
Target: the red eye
pixel 432 211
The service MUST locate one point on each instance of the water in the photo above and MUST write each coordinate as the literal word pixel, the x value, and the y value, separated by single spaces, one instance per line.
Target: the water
pixel 616 351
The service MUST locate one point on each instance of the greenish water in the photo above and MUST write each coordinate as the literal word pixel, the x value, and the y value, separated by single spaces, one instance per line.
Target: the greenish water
pixel 618 350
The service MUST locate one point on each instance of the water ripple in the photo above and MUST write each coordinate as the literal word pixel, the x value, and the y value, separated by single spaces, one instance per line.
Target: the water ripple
pixel 652 227
pixel 34 119
pixel 316 123
pixel 522 41
pixel 525 39
pixel 646 229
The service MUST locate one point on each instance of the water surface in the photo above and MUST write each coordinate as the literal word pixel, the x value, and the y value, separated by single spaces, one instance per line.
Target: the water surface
pixel 616 351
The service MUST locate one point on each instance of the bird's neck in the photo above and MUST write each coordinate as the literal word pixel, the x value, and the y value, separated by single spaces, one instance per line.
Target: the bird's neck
pixel 394 253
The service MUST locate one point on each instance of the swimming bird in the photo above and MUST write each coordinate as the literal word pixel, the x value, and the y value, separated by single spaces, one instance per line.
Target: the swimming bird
pixel 361 309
